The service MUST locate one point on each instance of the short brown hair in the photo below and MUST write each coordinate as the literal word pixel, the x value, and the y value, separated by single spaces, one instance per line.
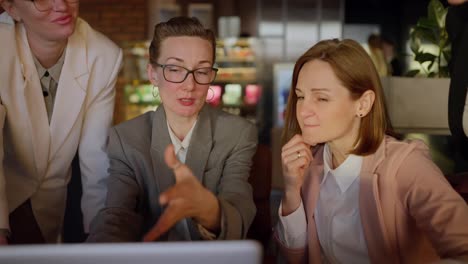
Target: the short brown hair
pixel 178 27
pixel 354 68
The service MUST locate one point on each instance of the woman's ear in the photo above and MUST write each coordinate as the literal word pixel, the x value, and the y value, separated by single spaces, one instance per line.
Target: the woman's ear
pixel 365 103
pixel 152 76
pixel 10 9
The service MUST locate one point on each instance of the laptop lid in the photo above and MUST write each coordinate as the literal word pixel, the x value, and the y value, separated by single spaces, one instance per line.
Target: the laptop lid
pixel 200 252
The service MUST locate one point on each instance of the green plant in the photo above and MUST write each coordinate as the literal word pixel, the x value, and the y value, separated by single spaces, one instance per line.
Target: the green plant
pixel 431 29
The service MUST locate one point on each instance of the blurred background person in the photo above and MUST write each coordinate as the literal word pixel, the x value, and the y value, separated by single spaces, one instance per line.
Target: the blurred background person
pixel 377 54
pixel 394 66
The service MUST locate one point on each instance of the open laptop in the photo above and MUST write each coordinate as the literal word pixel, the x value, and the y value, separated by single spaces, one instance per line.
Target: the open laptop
pixel 201 252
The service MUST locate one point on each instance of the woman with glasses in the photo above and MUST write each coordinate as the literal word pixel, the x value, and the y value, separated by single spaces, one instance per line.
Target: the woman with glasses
pixel 180 172
pixel 56 99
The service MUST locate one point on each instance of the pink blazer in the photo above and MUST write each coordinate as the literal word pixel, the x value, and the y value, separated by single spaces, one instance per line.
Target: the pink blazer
pixel 409 212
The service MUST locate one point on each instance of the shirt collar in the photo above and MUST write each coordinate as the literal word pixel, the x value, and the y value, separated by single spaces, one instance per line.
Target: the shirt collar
pixel 54 71
pixel 346 173
pixel 176 141
pixel 40 69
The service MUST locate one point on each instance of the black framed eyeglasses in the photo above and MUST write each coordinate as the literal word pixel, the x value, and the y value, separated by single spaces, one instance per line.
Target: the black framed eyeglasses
pixel 178 74
pixel 46 5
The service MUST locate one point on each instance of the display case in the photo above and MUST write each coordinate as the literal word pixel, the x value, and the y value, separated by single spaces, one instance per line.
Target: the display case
pixel 237 82
pixel 139 93
pixel 236 88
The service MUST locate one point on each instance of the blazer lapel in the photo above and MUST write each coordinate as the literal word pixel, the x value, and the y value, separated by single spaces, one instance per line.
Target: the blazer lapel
pixel 71 91
pixel 35 104
pixel 160 139
pixel 372 218
pixel 200 144
pixel 311 191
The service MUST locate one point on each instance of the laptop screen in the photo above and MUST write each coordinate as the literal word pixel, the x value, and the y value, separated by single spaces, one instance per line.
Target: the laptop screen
pixel 202 252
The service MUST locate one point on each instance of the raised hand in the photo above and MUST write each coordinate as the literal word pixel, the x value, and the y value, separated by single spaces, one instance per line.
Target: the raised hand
pixel 187 198
pixel 295 158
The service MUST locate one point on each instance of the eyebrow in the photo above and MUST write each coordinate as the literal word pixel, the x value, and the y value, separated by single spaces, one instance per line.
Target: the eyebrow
pixel 181 60
pixel 175 58
pixel 314 89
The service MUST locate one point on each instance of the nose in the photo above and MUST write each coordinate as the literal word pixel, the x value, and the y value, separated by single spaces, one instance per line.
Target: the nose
pixel 189 83
pixel 305 109
pixel 59 5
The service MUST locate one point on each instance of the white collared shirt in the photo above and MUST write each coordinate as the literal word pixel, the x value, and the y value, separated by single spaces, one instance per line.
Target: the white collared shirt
pixel 337 216
pixel 181 147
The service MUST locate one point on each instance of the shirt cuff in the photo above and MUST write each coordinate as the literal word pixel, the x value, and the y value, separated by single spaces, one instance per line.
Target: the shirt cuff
pixel 292 229
pixel 206 234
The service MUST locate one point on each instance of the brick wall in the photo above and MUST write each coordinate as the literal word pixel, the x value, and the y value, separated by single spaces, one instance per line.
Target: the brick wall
pixel 120 20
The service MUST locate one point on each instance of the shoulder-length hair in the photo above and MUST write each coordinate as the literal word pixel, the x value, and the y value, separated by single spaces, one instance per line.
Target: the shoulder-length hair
pixel 355 70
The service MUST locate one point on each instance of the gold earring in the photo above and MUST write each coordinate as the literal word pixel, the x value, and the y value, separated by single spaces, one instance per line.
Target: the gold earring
pixel 155 95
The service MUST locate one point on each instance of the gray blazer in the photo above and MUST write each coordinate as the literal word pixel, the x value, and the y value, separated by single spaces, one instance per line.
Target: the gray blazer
pixel 220 156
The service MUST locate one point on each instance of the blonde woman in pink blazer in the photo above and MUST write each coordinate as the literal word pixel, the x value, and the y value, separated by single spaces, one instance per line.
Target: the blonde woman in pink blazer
pixel 353 193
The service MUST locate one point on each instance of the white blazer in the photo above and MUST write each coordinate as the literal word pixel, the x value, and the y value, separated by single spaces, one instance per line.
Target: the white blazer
pixel 37 156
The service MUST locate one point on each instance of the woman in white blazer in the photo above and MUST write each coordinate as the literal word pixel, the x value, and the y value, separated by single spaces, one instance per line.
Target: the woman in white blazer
pixel 37 149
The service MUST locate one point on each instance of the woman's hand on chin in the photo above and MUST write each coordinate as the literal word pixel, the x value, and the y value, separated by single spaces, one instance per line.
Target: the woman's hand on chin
pixel 296 156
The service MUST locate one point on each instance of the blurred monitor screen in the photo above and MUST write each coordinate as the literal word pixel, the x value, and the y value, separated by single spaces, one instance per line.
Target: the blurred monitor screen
pixel 203 252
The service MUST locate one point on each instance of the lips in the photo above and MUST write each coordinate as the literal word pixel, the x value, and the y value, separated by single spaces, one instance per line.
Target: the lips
pixel 186 101
pixel 310 123
pixel 63 20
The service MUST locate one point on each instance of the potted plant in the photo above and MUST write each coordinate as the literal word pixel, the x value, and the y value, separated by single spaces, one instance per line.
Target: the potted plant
pixel 431 29
pixel 419 101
